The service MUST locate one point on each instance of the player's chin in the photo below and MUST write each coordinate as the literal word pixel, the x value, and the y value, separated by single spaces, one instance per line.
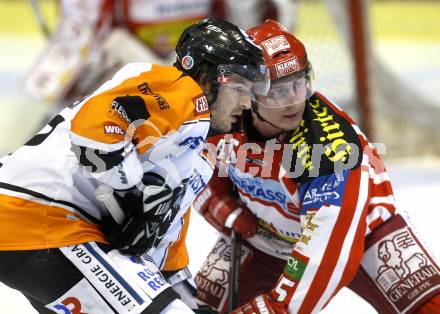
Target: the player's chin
pixel 234 119
pixel 234 124
pixel 290 122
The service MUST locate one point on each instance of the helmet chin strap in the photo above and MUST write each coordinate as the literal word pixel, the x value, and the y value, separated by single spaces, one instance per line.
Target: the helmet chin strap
pixel 255 110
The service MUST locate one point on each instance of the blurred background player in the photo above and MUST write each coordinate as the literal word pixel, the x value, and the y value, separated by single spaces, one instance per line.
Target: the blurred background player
pixel 112 176
pixel 311 197
pixel 99 36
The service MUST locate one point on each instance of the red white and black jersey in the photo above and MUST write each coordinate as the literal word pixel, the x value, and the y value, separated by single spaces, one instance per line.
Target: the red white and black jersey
pixel 317 192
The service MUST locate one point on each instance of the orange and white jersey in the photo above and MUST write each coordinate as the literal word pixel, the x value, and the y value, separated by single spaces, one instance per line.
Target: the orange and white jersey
pixel 146 118
pixel 317 192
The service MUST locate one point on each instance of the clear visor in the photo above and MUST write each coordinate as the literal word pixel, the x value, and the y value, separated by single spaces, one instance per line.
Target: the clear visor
pixel 245 78
pixel 287 91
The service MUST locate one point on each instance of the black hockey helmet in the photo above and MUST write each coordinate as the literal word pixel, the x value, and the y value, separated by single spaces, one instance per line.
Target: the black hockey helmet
pixel 227 48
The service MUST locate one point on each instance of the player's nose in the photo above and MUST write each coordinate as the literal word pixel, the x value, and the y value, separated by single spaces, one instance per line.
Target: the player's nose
pixel 245 101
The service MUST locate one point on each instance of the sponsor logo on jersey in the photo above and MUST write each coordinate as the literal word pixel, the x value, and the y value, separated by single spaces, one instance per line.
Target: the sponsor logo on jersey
pixel 268 231
pixel 295 266
pixel 103 276
pixel 326 134
pixel 201 105
pixel 293 271
pixel 122 174
pixel 400 266
pixel 339 148
pixel 187 62
pixel 287 67
pixel 81 298
pixel 298 140
pixel 314 196
pixel 324 190
pixel 161 102
pixel 209 291
pixel 196 182
pixel 69 305
pixel 212 279
pixel 153 279
pixel 145 89
pixel 120 111
pixel 264 189
pixel 192 142
pixel 112 128
pixel 275 44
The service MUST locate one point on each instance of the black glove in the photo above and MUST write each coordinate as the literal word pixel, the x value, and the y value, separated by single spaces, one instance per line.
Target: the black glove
pixel 149 215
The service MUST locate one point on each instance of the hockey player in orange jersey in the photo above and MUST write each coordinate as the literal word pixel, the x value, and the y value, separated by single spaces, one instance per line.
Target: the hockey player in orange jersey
pixel 312 201
pixel 112 176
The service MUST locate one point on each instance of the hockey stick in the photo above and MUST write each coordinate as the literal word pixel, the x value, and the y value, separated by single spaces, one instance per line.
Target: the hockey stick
pixel 234 271
pixel 104 194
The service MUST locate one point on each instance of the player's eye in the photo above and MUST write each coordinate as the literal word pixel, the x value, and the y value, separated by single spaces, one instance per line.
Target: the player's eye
pixel 278 92
pixel 240 88
pixel 299 84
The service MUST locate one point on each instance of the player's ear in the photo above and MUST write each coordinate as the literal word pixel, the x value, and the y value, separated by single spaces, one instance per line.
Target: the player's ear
pixel 205 82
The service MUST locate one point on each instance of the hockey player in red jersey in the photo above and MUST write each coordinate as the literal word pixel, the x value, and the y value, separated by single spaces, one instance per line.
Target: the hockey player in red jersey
pixel 112 177
pixel 99 36
pixel 311 197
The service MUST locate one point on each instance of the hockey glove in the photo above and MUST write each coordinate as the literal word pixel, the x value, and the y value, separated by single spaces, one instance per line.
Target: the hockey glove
pixel 222 211
pixel 261 304
pixel 148 215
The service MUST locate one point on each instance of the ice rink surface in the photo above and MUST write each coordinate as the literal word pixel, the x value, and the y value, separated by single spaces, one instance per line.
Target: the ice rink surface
pixel 416 182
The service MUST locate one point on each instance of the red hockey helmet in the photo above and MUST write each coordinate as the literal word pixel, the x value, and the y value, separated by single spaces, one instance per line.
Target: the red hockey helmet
pixel 286 58
pixel 284 53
